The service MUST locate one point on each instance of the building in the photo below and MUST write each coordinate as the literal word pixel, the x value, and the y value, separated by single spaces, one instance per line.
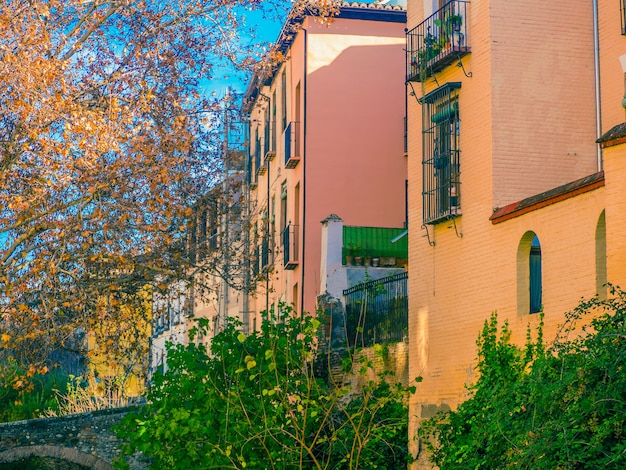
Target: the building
pixel 513 205
pixel 216 265
pixel 326 133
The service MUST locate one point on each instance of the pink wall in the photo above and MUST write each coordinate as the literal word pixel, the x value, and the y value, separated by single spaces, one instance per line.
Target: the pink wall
pixel 355 163
pixel 352 158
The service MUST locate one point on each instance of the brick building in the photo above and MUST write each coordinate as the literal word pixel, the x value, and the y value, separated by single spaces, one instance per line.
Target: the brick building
pixel 513 206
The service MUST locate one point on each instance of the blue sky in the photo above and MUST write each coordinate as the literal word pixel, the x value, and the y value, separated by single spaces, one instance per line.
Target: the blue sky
pixel 265 30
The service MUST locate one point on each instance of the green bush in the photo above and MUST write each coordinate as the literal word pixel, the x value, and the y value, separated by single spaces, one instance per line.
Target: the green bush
pixel 254 401
pixel 32 400
pixel 562 407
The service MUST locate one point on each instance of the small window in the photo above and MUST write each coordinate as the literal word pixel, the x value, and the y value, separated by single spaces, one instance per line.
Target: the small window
pixel 283 206
pixel 623 15
pixel 529 275
pixel 601 273
pixel 535 276
pixel 441 189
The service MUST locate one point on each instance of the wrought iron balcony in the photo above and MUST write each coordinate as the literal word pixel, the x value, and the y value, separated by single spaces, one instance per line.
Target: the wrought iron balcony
pixel 267 254
pixel 437 42
pixel 292 144
pixel 270 140
pixel 290 246
pixel 259 166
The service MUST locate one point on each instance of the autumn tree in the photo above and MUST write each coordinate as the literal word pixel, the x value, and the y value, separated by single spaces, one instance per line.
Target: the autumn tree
pixel 106 143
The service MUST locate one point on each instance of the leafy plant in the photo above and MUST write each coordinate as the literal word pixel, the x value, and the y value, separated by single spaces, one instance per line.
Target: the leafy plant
pixel 25 400
pixel 255 401
pixel 537 407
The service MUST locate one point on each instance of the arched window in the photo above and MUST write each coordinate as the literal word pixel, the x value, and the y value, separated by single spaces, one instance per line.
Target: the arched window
pixel 529 275
pixel 535 275
pixel 601 276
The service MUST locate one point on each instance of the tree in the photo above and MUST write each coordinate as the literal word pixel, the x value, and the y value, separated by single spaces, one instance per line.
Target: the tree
pixel 106 143
pixel 255 401
pixel 537 407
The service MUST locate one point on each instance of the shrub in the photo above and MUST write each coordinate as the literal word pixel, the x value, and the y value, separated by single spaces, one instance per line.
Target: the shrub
pixel 536 407
pixel 254 401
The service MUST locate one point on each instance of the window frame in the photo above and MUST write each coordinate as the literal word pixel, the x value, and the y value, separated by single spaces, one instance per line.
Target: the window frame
pixel 535 276
pixel 441 186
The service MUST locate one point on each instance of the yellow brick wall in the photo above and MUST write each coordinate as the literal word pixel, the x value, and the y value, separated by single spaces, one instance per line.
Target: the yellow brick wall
pixel 528 124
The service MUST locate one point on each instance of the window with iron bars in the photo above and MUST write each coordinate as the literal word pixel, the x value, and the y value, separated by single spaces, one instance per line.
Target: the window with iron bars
pixel 441 186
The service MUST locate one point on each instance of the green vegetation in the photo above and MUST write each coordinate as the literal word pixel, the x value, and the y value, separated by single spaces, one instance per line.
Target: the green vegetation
pixel 266 400
pixel 26 401
pixel 562 407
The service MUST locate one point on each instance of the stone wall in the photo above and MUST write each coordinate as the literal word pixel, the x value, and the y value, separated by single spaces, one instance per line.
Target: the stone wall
pixel 84 439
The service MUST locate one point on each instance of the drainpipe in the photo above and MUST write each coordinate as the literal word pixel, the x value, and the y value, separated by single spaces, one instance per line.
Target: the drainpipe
pixel 268 225
pixel 246 241
pixel 304 159
pixel 596 59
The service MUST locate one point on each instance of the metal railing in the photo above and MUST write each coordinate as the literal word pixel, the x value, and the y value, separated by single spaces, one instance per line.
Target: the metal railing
pixel 377 311
pixel 441 164
pixel 292 144
pixel 438 41
pixel 269 139
pixel 290 246
pixel 266 252
pixel 257 155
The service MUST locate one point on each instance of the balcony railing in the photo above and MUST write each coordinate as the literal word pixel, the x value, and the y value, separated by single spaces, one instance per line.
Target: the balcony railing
pixel 260 167
pixel 267 254
pixel 377 311
pixel 438 41
pixel 292 144
pixel 270 140
pixel 290 246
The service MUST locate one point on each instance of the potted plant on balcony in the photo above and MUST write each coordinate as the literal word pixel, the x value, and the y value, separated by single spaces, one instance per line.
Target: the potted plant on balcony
pixel 449 30
pixel 358 255
pixel 454 22
pixel 458 38
pixel 350 254
pixel 432 48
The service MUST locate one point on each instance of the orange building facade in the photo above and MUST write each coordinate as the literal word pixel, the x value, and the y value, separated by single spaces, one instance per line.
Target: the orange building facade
pixel 516 163
pixel 326 133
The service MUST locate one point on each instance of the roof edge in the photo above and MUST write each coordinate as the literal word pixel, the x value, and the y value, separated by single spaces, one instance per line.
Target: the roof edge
pixel 614 136
pixel 552 196
pixel 347 10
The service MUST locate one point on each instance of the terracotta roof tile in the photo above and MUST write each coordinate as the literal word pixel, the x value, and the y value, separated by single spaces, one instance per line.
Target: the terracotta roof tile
pixel 560 193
